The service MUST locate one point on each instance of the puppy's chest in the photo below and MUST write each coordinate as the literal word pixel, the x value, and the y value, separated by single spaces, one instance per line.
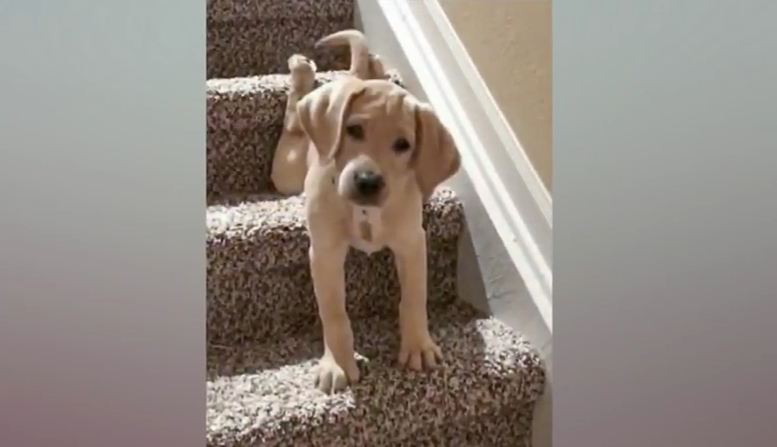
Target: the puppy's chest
pixel 366 230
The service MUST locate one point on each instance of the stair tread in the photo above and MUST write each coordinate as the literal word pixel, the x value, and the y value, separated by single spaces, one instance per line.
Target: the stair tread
pixel 249 94
pixel 243 215
pixel 227 10
pixel 264 393
pixel 269 222
pixel 247 37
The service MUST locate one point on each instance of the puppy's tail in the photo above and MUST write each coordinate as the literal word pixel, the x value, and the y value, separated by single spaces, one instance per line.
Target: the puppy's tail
pixel 360 52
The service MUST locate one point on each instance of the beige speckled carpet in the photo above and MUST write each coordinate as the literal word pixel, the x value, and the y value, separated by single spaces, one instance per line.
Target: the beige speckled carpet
pixel 263 332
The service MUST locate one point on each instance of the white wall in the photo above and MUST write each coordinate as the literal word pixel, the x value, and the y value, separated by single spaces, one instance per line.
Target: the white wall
pixel 510 43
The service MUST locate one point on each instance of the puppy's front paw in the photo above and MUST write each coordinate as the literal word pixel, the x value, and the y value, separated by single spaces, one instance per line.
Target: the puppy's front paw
pixel 331 378
pixel 418 352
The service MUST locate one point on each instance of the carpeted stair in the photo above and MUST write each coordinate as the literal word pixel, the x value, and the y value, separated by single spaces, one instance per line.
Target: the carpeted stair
pixel 263 330
pixel 252 37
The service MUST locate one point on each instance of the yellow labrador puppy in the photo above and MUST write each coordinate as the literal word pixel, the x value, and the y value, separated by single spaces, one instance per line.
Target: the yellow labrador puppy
pixel 376 154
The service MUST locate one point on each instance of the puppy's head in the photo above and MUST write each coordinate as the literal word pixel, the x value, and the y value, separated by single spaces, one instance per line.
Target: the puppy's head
pixel 379 136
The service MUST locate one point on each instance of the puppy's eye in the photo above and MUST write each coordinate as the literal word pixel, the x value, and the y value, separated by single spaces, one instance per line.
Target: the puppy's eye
pixel 355 131
pixel 401 145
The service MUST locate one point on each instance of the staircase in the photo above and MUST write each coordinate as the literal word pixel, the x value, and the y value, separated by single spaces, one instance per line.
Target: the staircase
pixel 264 336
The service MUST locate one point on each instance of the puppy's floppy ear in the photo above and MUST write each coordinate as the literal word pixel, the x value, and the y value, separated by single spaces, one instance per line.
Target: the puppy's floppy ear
pixel 436 158
pixel 322 111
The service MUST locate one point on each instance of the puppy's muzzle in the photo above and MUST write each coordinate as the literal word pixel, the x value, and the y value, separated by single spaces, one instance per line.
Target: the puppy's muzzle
pixel 362 183
pixel 368 184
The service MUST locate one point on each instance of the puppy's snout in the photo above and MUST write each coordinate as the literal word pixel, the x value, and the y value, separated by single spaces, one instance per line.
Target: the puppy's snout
pixel 368 183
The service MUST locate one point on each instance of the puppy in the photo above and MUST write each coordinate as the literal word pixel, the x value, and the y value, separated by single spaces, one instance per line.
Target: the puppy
pixel 376 154
pixel 289 160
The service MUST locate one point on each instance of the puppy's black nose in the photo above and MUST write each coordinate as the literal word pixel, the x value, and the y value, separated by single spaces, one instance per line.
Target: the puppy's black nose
pixel 368 183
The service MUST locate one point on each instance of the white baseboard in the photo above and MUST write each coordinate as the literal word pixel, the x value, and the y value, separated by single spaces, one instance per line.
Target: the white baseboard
pixel 506 255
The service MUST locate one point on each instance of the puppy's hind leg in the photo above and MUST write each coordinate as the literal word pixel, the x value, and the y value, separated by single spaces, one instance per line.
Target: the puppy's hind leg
pixel 303 78
pixel 377 68
pixel 289 164
pixel 337 367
